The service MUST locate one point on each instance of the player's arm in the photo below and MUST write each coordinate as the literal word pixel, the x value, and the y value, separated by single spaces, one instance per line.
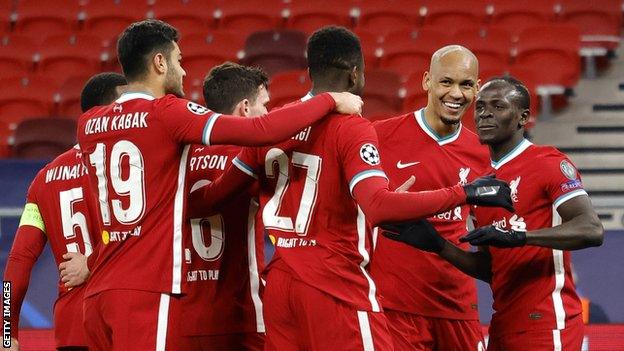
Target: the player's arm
pixel 581 228
pixel 422 235
pixel 28 245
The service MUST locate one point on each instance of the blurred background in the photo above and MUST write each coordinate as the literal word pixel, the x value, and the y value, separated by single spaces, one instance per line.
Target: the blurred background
pixel 566 51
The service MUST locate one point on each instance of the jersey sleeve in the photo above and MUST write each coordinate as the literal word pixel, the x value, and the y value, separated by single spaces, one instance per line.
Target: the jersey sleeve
pixel 563 180
pixel 185 121
pixel 358 149
pixel 248 161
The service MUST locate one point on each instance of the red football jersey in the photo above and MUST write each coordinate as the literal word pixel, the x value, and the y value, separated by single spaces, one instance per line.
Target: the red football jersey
pixel 532 286
pixel 223 256
pixel 61 207
pixel 137 159
pixel 319 232
pixel 415 281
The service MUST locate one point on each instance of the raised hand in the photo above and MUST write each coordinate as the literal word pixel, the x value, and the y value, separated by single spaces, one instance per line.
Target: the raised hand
pixel 347 103
pixel 489 191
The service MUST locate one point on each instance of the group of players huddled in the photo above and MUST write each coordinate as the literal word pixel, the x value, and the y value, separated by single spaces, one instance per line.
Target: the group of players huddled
pixel 157 217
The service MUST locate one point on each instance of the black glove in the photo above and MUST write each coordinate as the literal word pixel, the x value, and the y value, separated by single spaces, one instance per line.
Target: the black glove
pixel 419 234
pixel 493 236
pixel 489 191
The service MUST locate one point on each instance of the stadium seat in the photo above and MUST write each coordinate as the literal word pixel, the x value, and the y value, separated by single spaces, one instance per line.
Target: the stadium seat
pixel 286 87
pixel 186 16
pixel 308 16
pixel 385 17
pixel 6 9
pixel 451 17
pixel 108 19
pixel 68 96
pixel 276 51
pixel 415 96
pixel 44 138
pixel 515 16
pixel 248 16
pixel 78 54
pixel 599 22
pixel 23 98
pixel 545 47
pixel 33 19
pixel 491 45
pixel 202 51
pixel 6 140
pixel 381 94
pixel 544 98
pixel 371 43
pixel 16 54
pixel 409 52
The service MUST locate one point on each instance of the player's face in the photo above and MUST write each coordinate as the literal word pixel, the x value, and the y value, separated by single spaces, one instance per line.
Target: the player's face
pixel 175 73
pixel 497 114
pixel 451 85
pixel 259 108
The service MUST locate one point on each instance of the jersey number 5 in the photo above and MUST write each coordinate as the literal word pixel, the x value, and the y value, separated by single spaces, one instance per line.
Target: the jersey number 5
pixel 72 220
pixel 133 187
pixel 312 164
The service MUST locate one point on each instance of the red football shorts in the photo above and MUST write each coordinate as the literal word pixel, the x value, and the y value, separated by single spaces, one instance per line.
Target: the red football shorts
pixel 569 338
pixel 298 316
pixel 68 326
pixel 416 332
pixel 126 320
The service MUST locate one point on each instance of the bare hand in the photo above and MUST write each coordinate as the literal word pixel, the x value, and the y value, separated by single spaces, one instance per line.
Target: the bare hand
pixel 14 345
pixel 405 186
pixel 347 103
pixel 74 271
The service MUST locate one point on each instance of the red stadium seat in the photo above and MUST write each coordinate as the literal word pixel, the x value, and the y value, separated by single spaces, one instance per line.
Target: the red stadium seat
pixel 6 9
pixel 545 47
pixel 599 22
pixel 108 19
pixel 6 140
pixel 371 44
pixel 491 45
pixel 16 54
pixel 33 19
pixel 63 55
pixel 415 95
pixel 68 96
pixel 308 16
pixel 186 16
pixel 276 51
pixel 202 51
pixel 450 16
pixel 410 52
pixel 286 87
pixel 515 16
pixel 381 94
pixel 44 138
pixel 248 16
pixel 388 16
pixel 23 98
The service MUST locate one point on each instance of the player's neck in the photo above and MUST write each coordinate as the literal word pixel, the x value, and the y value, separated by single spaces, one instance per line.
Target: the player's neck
pixel 498 151
pixel 325 88
pixel 435 122
pixel 143 87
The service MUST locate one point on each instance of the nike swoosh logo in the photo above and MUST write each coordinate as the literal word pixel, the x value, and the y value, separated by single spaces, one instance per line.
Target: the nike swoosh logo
pixel 405 165
pixel 492 190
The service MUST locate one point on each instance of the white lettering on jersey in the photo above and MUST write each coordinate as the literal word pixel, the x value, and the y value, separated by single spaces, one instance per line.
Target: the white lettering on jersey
pixel 303 135
pixel 208 162
pixel 124 121
pixel 516 223
pixel 65 172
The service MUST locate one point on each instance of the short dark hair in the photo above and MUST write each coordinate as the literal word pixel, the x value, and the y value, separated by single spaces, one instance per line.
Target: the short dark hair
pixel 331 48
pixel 229 83
pixel 100 90
pixel 524 99
pixel 139 41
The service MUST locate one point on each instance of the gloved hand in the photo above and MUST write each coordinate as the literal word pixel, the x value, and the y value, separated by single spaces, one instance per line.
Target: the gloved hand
pixel 419 234
pixel 493 236
pixel 489 191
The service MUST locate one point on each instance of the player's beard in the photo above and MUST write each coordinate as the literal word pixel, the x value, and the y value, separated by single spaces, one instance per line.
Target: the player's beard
pixel 449 121
pixel 173 84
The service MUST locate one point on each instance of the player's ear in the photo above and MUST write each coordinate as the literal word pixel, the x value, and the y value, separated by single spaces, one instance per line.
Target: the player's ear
pixel 426 80
pixel 353 77
pixel 524 118
pixel 160 63
pixel 242 108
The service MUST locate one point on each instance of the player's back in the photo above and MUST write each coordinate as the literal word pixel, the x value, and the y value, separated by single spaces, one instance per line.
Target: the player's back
pixel 61 193
pixel 137 160
pixel 318 230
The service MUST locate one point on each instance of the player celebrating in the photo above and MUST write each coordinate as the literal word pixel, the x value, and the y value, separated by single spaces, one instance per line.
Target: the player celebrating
pixel 523 253
pixel 424 311
pixel 59 208
pixel 222 309
pixel 315 190
pixel 135 151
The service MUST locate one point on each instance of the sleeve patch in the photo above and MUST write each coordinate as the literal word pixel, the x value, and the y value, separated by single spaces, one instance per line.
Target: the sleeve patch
pixel 568 170
pixel 197 108
pixel 31 216
pixel 369 154
pixel 571 185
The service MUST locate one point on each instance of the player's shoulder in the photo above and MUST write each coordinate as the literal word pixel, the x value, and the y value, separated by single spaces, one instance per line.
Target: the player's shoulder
pixel 69 157
pixel 203 150
pixel 171 101
pixel 547 153
pixel 391 125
